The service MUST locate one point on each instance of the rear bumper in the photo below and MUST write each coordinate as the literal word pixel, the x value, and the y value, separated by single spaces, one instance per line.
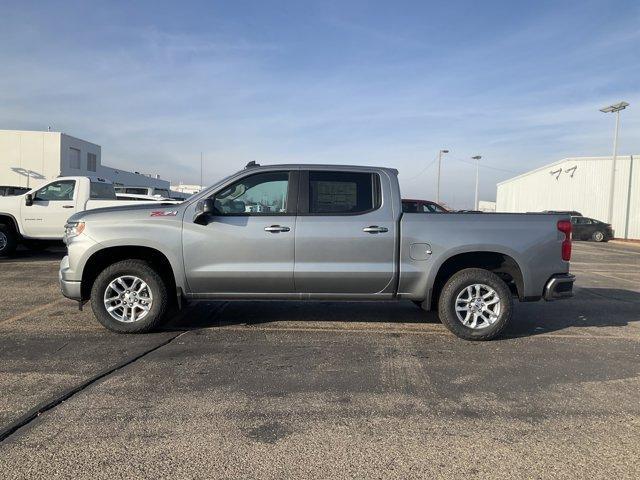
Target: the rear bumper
pixel 559 287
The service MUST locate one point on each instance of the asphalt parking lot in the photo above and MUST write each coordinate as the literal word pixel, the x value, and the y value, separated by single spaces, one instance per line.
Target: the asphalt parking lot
pixel 323 390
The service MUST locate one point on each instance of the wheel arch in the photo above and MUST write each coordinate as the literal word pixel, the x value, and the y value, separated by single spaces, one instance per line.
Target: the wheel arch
pixel 503 264
pixel 101 259
pixel 10 220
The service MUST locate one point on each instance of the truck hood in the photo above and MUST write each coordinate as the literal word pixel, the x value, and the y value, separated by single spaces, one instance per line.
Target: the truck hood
pixel 127 211
pixel 11 204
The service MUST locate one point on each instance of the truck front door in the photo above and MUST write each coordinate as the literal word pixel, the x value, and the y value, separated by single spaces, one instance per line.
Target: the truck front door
pixel 247 245
pixel 345 234
pixel 52 205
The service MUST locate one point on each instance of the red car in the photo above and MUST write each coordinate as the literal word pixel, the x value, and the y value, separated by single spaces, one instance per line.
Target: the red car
pixel 422 206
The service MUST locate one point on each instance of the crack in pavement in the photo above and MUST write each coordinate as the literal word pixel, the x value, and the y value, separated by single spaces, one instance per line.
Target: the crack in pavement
pixel 36 412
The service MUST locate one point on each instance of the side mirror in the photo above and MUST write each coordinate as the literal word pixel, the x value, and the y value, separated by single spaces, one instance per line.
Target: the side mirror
pixel 204 208
pixel 28 199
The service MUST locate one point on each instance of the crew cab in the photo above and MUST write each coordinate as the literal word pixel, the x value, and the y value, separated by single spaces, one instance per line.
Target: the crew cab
pixel 312 232
pixel 37 217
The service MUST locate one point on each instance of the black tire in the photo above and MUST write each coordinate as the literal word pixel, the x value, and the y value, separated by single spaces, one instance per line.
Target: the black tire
pixel 598 236
pixel 141 269
pixel 8 240
pixel 459 282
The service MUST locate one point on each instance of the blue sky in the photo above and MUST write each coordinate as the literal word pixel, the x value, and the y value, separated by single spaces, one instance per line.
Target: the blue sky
pixel 382 83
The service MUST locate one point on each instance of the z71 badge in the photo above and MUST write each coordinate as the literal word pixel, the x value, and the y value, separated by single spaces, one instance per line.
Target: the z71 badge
pixel 163 213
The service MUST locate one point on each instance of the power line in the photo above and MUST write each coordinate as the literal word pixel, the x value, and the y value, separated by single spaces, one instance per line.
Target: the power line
pixel 422 171
pixel 482 165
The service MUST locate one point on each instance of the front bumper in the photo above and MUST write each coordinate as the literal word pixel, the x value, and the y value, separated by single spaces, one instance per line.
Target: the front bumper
pixel 559 287
pixel 70 289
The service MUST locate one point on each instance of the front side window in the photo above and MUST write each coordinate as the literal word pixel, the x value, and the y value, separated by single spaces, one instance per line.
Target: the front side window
pixel 342 192
pixel 56 191
pixel 260 194
pixel 74 158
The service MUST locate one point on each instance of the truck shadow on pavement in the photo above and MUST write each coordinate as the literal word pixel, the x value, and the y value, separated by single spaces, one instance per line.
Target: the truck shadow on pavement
pixel 28 255
pixel 591 307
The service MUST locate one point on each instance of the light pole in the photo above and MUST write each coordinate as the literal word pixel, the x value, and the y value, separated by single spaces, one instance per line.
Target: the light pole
pixel 439 162
pixel 615 108
pixel 477 159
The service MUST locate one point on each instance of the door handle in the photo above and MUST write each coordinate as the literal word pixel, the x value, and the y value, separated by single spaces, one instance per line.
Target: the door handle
pixel 67 206
pixel 276 229
pixel 375 229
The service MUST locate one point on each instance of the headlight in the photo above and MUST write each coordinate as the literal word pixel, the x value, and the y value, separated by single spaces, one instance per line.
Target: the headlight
pixel 73 229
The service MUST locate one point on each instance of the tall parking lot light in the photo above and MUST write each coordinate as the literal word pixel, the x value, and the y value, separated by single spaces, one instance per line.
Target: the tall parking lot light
pixel 439 162
pixel 477 159
pixel 615 108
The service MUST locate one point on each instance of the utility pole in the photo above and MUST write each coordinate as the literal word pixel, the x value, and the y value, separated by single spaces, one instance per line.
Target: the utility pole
pixel 614 109
pixel 201 163
pixel 477 159
pixel 439 162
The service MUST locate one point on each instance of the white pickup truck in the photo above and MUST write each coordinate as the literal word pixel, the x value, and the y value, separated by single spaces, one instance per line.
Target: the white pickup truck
pixel 37 218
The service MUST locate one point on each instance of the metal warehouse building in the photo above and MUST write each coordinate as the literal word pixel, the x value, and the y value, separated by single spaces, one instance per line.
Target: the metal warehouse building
pixel 582 184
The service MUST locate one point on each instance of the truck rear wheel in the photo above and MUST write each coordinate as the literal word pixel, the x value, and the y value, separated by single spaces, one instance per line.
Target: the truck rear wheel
pixel 129 297
pixel 475 304
pixel 8 240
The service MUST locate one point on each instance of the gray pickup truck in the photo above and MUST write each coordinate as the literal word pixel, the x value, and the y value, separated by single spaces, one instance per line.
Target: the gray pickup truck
pixel 312 232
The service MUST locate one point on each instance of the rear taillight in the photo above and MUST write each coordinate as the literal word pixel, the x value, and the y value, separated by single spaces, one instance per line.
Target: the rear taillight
pixel 565 227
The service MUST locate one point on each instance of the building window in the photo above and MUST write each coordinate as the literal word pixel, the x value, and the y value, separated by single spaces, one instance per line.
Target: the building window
pixel 74 158
pixel 92 162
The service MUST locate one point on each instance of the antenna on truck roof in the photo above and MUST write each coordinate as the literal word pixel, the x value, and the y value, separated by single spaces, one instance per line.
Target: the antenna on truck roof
pixel 252 164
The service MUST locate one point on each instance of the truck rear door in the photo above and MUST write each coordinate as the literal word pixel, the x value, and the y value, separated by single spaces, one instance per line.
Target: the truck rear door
pixel 345 234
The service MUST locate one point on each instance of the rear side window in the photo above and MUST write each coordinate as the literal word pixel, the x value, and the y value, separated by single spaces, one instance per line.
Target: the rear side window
pixel 343 192
pixel 101 191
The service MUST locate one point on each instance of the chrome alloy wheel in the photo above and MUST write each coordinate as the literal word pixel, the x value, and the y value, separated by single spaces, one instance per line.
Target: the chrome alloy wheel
pixel 128 299
pixel 3 241
pixel 478 306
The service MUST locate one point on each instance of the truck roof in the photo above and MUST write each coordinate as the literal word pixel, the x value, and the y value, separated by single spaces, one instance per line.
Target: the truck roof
pixel 318 166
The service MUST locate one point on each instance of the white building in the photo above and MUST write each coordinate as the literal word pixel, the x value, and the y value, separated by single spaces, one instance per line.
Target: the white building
pixel 28 158
pixel 582 184
pixel 186 188
pixel 487 206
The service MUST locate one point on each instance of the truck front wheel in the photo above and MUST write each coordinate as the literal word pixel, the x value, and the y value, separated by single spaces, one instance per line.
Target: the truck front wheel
pixel 8 240
pixel 129 297
pixel 475 304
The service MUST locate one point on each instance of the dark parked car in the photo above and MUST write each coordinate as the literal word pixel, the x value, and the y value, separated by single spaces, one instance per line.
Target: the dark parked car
pixel 585 228
pixel 8 191
pixel 422 206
